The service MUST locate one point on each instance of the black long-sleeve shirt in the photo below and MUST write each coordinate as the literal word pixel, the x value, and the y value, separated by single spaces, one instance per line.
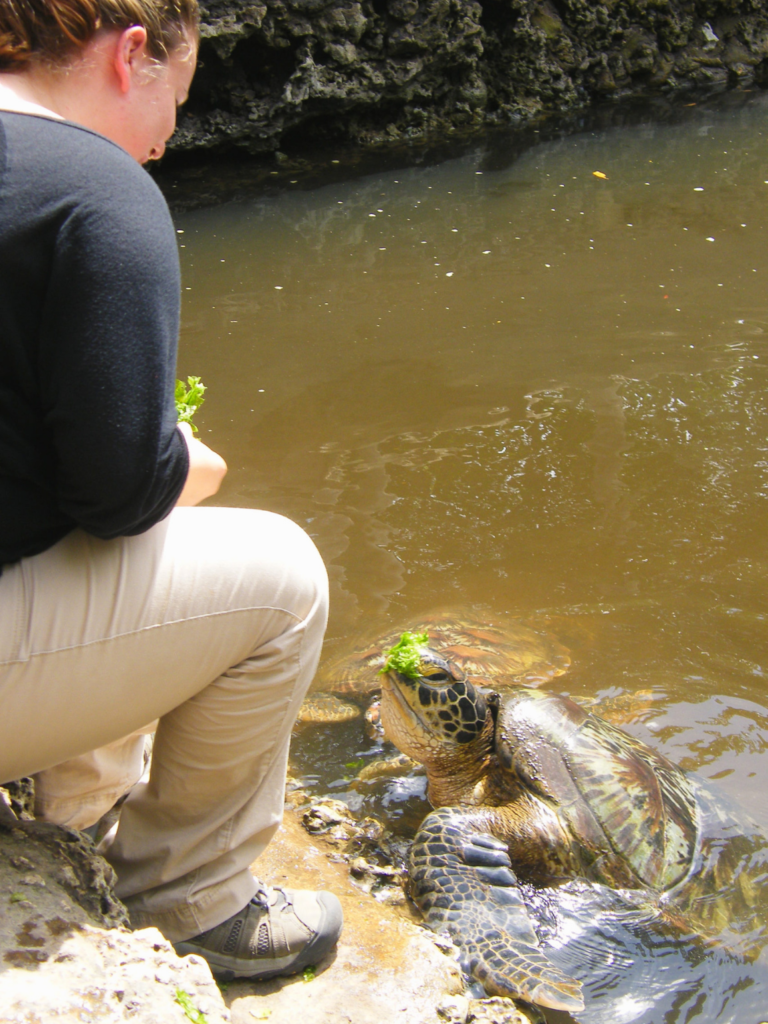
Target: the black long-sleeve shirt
pixel 89 316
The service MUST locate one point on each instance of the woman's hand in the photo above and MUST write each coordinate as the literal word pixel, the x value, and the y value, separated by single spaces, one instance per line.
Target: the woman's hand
pixel 206 470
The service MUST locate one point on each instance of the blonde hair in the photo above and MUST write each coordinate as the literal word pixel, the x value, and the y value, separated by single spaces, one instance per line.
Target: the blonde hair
pixel 51 31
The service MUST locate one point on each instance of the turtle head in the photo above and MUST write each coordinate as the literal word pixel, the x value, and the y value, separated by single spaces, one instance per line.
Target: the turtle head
pixel 429 709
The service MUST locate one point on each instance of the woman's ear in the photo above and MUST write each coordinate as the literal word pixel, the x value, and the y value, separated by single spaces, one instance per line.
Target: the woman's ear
pixel 130 51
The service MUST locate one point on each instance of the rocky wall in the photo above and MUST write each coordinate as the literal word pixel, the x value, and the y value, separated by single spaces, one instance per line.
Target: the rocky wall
pixel 296 74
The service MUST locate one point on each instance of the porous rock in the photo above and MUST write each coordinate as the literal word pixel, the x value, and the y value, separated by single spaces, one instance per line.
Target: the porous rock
pixel 106 976
pixel 66 954
pixel 501 1010
pixel 377 859
pixel 281 73
pixel 496 1010
pixel 67 869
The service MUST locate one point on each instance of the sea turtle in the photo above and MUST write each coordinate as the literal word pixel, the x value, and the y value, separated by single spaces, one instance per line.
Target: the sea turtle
pixel 619 709
pixel 539 801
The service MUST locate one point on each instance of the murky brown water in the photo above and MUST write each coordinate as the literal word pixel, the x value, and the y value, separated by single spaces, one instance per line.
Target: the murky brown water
pixel 521 389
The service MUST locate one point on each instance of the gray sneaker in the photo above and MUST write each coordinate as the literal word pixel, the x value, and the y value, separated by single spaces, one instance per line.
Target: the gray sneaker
pixel 281 931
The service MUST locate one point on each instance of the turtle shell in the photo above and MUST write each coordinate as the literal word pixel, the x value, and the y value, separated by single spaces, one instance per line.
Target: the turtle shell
pixel 632 812
pixel 496 654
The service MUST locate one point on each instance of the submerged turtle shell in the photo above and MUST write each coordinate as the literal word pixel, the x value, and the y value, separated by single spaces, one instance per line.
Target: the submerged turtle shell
pixel 325 709
pixel 500 654
pixel 623 708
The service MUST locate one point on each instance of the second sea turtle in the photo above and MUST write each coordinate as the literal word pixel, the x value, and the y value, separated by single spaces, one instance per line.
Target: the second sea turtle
pixel 491 651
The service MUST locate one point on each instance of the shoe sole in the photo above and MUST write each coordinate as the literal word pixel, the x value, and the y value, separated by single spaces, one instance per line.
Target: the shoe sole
pixel 227 968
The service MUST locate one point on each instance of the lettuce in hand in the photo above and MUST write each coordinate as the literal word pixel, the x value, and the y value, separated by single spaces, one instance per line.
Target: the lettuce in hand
pixel 189 398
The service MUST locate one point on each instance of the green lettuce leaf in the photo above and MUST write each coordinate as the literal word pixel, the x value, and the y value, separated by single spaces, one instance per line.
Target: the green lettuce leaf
pixel 405 656
pixel 189 398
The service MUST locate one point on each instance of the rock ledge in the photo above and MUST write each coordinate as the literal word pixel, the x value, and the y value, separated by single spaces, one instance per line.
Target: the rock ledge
pixel 66 954
pixel 290 74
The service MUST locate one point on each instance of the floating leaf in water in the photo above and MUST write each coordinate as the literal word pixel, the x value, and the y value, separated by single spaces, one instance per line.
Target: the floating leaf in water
pixel 599 174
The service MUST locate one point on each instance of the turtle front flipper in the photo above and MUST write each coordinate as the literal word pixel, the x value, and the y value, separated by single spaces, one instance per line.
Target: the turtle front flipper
pixel 461 880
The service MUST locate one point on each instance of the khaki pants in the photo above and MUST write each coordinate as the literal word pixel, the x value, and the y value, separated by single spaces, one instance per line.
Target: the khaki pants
pixel 211 622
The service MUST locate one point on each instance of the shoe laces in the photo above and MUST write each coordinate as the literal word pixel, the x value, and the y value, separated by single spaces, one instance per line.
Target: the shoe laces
pixel 267 896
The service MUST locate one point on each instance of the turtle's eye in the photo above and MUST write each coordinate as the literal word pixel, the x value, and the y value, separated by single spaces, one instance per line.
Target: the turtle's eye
pixel 437 676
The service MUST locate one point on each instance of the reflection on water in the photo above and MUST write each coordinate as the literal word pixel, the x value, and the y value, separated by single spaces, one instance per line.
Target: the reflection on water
pixel 524 389
pixel 636 971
